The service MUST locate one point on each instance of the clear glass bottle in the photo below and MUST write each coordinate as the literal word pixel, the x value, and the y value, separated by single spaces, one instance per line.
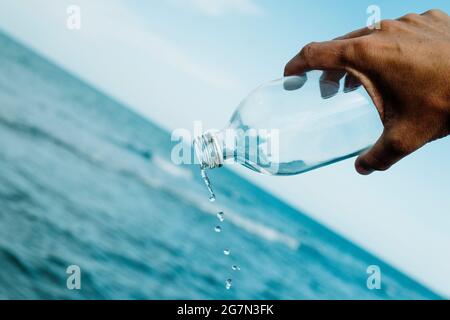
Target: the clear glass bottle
pixel 292 125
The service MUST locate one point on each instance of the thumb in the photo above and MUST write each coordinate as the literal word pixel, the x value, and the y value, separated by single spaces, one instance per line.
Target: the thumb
pixel 389 149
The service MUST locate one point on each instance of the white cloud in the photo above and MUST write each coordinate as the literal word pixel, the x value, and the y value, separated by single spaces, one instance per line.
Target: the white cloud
pixel 222 7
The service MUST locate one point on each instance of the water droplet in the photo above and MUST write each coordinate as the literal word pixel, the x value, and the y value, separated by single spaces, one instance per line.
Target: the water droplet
pixel 217 229
pixel 226 252
pixel 220 216
pixel 228 284
pixel 236 268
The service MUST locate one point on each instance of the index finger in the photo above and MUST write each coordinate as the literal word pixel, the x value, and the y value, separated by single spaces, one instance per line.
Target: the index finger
pixel 327 55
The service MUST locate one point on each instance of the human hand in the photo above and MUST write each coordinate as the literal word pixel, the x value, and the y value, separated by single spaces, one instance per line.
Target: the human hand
pixel 405 68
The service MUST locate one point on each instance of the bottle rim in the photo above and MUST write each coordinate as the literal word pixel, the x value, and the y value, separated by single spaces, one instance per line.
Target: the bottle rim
pixel 208 150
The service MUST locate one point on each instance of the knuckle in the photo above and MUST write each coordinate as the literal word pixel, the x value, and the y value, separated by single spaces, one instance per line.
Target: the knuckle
pixel 435 13
pixel 410 17
pixel 396 145
pixel 307 52
pixel 360 45
pixel 362 50
pixel 389 25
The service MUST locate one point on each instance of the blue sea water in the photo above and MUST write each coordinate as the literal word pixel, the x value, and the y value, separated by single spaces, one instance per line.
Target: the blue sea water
pixel 85 181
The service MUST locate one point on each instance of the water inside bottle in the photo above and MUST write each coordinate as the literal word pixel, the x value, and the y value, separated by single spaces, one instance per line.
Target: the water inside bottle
pixel 256 152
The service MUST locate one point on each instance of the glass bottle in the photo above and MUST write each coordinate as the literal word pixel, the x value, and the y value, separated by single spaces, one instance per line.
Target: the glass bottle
pixel 293 125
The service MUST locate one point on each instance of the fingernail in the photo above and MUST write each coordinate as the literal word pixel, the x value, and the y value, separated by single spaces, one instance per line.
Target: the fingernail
pixel 328 89
pixel 294 82
pixel 350 89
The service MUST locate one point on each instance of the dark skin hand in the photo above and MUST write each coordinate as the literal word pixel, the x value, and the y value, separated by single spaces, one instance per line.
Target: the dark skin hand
pixel 405 68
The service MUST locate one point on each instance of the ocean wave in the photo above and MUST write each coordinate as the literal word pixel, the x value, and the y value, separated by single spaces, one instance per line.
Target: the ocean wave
pixel 39 133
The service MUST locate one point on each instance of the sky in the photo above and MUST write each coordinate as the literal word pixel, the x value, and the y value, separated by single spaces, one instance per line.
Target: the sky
pixel 179 61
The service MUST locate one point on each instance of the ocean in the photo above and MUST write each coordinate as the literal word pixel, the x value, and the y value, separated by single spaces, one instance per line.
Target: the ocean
pixel 85 181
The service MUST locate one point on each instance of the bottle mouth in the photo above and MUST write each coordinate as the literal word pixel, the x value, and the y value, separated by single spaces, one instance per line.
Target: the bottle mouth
pixel 208 151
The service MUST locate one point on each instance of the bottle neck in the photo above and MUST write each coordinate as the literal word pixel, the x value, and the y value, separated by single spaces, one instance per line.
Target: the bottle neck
pixel 208 149
pixel 214 148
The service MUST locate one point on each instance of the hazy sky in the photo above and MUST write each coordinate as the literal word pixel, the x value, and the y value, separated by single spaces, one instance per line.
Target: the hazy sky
pixel 178 61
